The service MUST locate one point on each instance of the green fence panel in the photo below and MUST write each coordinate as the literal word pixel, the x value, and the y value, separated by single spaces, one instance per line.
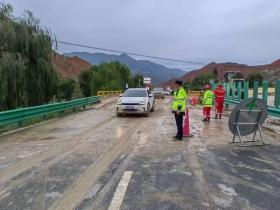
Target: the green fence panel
pixel 274 111
pixel 20 115
pixel 239 90
pixel 232 91
pixel 265 91
pixel 231 100
pixel 227 90
pixel 256 89
pixel 271 110
pixel 246 89
pixel 277 94
pixel 225 86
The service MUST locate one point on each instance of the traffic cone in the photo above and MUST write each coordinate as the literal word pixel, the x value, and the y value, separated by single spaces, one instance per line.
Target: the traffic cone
pixel 186 130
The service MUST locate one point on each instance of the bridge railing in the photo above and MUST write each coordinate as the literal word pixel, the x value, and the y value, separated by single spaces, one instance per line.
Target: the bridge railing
pixel 236 92
pixel 24 114
pixel 109 93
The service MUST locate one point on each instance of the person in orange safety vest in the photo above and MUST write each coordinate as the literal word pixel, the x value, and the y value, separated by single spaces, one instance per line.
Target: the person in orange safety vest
pixel 219 100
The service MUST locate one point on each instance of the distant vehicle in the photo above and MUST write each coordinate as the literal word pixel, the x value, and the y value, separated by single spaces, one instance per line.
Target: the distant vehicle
pixel 235 77
pixel 159 93
pixel 167 93
pixel 135 101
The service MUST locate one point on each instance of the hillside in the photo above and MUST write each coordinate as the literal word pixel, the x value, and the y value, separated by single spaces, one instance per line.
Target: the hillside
pixel 69 68
pixel 158 73
pixel 271 71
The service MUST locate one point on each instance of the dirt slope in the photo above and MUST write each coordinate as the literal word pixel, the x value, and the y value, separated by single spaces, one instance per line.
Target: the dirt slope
pixel 271 71
pixel 69 68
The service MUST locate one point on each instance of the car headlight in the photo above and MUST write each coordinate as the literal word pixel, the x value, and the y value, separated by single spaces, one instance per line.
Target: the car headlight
pixel 119 101
pixel 142 102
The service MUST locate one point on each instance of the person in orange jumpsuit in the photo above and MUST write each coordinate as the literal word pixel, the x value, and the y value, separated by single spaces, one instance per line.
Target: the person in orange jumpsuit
pixel 219 100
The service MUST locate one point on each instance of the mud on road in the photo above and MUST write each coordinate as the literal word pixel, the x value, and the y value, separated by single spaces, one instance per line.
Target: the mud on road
pixel 79 161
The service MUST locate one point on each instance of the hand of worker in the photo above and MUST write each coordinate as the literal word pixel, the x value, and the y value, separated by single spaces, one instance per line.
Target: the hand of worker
pixel 178 112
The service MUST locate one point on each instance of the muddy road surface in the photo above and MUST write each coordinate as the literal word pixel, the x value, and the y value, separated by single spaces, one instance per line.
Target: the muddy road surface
pixel 96 160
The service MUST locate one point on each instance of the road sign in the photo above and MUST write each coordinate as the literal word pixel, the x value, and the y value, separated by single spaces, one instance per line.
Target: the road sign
pixel 147 80
pixel 247 118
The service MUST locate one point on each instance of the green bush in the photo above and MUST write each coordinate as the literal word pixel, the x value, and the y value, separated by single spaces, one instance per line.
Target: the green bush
pixel 67 89
pixel 198 82
pixel 255 77
pixel 86 81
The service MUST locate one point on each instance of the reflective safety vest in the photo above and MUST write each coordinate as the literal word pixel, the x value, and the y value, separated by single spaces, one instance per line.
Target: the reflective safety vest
pixel 208 98
pixel 179 101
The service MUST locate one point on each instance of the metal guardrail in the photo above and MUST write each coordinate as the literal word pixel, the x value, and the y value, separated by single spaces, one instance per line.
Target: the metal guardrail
pixel 236 93
pixel 23 114
pixel 109 93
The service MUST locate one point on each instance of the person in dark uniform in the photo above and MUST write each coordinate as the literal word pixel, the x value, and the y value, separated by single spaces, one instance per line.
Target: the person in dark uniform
pixel 179 107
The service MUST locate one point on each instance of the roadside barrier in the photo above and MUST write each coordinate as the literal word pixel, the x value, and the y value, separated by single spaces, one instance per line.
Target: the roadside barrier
pixel 195 94
pixel 236 93
pixel 109 93
pixel 23 114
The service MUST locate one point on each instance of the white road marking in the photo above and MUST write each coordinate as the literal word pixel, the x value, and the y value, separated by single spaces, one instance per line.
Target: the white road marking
pixel 120 192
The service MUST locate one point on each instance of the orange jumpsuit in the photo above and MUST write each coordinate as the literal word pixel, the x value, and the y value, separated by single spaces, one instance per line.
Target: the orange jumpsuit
pixel 219 100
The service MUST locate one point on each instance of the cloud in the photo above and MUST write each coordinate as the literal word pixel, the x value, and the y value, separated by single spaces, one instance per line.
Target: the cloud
pixel 205 31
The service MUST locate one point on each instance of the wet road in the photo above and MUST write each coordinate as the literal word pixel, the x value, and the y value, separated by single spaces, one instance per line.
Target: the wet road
pixel 95 160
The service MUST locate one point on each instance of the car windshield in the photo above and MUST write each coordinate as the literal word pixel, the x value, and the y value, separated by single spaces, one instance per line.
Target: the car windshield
pixel 135 93
pixel 158 89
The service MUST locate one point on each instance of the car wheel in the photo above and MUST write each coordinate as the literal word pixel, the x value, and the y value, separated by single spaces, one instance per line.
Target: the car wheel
pixel 119 114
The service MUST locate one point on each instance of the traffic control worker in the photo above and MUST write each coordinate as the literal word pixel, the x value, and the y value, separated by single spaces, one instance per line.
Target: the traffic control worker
pixel 219 100
pixel 207 102
pixel 179 107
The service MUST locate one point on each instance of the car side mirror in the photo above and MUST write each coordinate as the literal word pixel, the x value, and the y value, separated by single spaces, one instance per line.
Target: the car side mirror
pixel 151 95
pixel 120 95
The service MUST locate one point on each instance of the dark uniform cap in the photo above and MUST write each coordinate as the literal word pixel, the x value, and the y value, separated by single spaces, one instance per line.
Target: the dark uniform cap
pixel 179 82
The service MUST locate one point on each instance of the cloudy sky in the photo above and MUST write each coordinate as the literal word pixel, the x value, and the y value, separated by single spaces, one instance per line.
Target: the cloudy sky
pixel 244 31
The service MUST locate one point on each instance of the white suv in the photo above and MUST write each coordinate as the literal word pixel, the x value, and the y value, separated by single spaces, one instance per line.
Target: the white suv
pixel 135 101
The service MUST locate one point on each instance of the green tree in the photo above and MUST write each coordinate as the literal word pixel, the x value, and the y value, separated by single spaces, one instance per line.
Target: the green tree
pixel 67 89
pixel 254 77
pixel 27 75
pixel 135 80
pixel 107 76
pixel 201 80
pixel 86 81
pixel 112 76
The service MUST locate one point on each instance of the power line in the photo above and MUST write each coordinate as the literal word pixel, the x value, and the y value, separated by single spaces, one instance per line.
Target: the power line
pixel 130 53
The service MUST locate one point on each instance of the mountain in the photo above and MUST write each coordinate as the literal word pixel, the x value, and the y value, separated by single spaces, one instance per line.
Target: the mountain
pixel 271 71
pixel 158 73
pixel 69 68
